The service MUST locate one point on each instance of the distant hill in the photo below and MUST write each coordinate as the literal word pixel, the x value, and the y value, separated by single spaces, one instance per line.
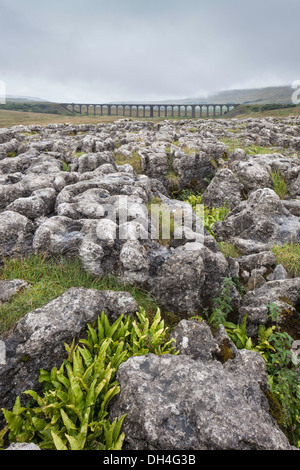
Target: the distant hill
pixel 281 95
pixel 22 98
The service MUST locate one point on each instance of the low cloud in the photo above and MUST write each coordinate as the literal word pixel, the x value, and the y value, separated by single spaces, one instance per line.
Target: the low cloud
pixel 131 50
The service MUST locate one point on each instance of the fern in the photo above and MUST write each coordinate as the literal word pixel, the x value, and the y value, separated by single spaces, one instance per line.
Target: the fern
pixel 72 412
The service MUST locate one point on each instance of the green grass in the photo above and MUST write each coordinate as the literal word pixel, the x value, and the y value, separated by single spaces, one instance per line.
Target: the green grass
pixel 280 186
pixel 12 154
pixel 235 143
pixel 173 180
pixel 187 150
pixel 78 154
pixel 66 166
pixel 49 278
pixel 288 255
pixel 229 250
pixel 134 161
pixel 258 150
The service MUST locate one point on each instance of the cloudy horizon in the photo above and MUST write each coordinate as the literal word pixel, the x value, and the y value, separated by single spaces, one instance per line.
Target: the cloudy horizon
pixel 121 50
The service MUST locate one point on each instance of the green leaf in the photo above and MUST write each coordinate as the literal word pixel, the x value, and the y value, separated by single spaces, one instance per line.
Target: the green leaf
pixel 91 398
pixel 77 393
pixel 156 321
pixel 87 357
pixel 114 327
pixel 67 421
pixel 63 380
pixel 230 325
pixel 39 424
pixel 74 443
pixel 59 445
pixel 14 421
pixel 118 427
pixel 17 409
pixel 75 410
pixel 105 323
pixel 108 396
pixel 101 333
pixel 44 376
pixel 93 334
pixel 248 344
pixel 119 444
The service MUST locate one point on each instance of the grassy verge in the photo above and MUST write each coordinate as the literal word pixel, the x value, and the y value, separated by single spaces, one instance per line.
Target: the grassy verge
pixel 49 278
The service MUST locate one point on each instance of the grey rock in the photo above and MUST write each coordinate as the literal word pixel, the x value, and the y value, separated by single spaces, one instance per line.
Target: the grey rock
pixel 91 255
pixel 10 287
pixel 259 223
pixel 278 274
pixel 133 257
pixel 23 446
pixel 252 173
pixel 257 260
pixel 285 294
pixel 225 188
pixel 190 278
pixel 16 234
pixel 154 164
pixel 31 207
pixel 179 403
pixel 293 205
pixel 193 170
pixel 90 162
pixel 196 340
pixel 255 281
pixel 58 235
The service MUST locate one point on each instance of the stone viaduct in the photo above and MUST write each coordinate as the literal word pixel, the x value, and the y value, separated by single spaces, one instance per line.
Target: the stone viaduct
pixel 149 110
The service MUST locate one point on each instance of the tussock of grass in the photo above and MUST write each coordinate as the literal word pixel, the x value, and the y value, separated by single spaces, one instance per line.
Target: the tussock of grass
pixel 173 180
pixel 66 166
pixel 288 255
pixel 79 154
pixel 49 278
pixel 229 250
pixel 280 186
pixel 134 161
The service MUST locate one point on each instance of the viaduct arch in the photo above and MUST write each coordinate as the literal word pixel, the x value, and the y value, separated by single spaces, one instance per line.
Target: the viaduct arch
pixel 150 110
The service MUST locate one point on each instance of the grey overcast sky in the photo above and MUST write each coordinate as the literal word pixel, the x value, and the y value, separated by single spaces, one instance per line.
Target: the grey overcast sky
pixel 121 50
